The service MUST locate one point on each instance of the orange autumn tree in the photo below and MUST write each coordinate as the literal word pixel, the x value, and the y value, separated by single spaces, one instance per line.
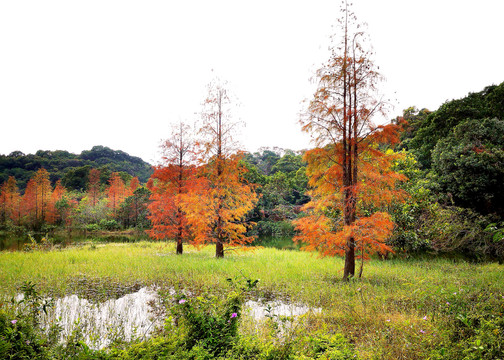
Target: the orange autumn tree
pixel 351 178
pixel 217 209
pixel 133 185
pixel 10 202
pixel 169 184
pixel 117 192
pixel 53 213
pixel 36 199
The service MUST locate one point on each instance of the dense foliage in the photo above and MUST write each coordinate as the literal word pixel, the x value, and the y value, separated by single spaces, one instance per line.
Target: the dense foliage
pixel 455 164
pixel 469 164
pixel 430 127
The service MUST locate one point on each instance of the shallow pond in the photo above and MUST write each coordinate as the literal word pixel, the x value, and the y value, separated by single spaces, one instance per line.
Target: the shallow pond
pixel 134 316
pixel 122 319
pixel 15 242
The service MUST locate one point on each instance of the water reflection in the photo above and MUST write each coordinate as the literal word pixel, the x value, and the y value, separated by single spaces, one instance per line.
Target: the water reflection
pixel 12 242
pixel 133 316
pixel 15 242
pixel 123 319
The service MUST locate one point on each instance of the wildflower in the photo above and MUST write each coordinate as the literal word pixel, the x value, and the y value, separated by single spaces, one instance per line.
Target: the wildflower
pixel 388 320
pixel 421 331
pixel 447 303
pixel 13 322
pixel 425 317
pixel 181 301
pixel 233 315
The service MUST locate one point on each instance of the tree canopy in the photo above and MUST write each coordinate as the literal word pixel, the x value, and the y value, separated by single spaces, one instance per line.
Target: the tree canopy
pixel 436 125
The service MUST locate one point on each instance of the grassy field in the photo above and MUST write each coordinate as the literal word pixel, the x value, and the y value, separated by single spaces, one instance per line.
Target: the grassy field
pixel 400 309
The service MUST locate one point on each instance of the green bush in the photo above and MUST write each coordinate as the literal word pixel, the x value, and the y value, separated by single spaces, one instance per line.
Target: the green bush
pixel 454 230
pixel 19 339
pixel 109 225
pixel 20 334
pixel 45 244
pixel 93 227
pixel 210 323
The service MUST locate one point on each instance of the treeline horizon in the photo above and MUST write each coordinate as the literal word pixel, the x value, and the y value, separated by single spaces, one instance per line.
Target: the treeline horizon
pixel 453 158
pixel 72 169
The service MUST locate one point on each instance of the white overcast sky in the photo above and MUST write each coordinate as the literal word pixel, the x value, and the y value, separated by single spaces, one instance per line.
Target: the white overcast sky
pixel 74 74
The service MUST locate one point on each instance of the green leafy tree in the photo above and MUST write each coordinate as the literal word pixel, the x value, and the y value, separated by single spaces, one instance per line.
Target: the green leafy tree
pixel 133 212
pixel 469 165
pixel 488 103
pixel 288 163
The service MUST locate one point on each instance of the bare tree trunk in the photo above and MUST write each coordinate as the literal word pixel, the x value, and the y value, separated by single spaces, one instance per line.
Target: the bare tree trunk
pixel 180 247
pixel 349 270
pixel 219 248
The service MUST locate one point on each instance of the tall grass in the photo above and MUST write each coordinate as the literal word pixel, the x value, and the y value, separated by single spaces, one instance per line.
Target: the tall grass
pixel 400 308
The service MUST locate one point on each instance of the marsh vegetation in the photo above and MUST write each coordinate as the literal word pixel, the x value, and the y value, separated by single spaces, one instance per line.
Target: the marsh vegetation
pixel 409 309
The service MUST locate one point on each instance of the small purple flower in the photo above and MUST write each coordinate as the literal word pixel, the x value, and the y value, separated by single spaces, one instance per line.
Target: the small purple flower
pixel 388 320
pixel 421 331
pixel 233 315
pixel 425 317
pixel 181 301
pixel 13 322
pixel 447 303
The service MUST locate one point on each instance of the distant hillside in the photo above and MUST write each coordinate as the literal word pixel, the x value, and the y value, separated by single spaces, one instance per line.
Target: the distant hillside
pixel 72 169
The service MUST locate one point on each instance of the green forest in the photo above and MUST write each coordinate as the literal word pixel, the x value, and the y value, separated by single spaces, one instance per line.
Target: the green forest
pixel 71 169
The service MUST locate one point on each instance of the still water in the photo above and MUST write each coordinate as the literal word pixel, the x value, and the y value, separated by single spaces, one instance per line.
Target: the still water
pixel 14 242
pixel 133 316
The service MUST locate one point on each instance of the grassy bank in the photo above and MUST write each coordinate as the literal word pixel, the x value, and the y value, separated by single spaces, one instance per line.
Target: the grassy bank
pixel 401 309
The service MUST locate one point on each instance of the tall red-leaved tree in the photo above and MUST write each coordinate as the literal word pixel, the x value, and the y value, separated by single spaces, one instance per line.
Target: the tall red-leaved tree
pixel 117 192
pixel 36 199
pixel 350 176
pixel 169 185
pixel 217 209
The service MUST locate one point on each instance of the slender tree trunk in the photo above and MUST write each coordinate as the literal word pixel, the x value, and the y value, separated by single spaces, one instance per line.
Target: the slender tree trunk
pixel 219 249
pixel 349 269
pixel 180 247
pixel 219 245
